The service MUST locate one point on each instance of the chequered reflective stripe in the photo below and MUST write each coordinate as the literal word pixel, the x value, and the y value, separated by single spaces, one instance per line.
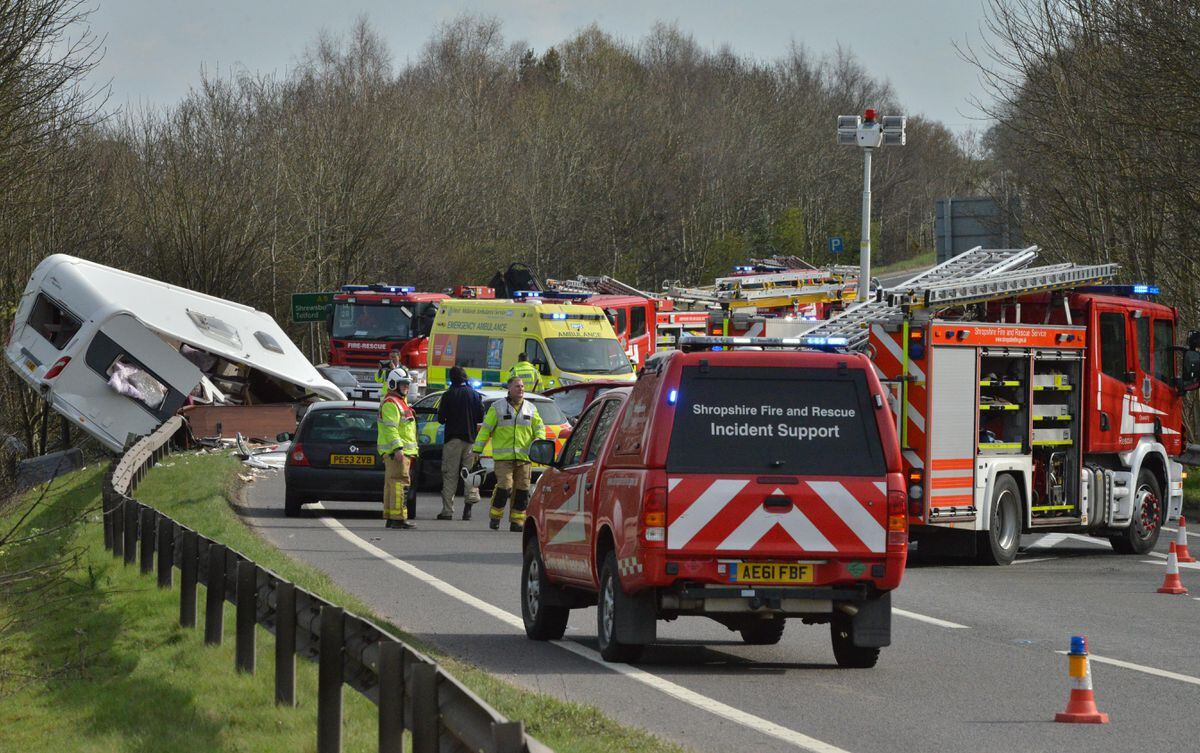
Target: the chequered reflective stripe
pixel 627 566
pixel 707 514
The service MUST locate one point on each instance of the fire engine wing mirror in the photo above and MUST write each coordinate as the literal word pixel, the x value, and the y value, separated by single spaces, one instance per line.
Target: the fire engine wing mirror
pixel 1190 378
pixel 542 452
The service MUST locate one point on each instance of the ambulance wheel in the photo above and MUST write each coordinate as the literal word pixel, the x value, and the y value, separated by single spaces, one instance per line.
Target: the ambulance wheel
pixel 763 632
pixel 998 544
pixel 1142 533
pixel 606 616
pixel 845 652
pixel 292 503
pixel 543 622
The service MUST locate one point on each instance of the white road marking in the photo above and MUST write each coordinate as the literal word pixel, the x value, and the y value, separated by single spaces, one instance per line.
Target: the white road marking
pixel 1183 565
pixel 930 620
pixel 1142 668
pixel 1049 540
pixel 690 697
pixel 1035 559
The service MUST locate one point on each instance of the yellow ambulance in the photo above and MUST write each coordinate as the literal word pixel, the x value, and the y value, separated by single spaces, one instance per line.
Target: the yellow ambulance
pixel 568 343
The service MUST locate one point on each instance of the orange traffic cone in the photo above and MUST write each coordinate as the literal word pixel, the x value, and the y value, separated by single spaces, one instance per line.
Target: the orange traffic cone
pixel 1081 706
pixel 1181 542
pixel 1171 583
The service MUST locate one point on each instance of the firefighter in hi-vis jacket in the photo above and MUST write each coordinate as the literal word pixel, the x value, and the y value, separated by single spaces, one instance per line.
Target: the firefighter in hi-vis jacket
pixel 512 424
pixel 397 444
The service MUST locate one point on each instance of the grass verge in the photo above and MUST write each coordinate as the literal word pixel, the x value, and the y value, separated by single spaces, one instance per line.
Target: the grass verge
pixel 101 664
pixel 913 262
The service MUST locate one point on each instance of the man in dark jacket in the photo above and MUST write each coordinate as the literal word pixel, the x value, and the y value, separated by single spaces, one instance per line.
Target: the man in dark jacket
pixel 460 411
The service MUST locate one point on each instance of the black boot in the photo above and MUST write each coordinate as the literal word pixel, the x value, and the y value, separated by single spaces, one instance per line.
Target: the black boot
pixel 499 502
pixel 520 503
pixel 467 510
pixel 405 524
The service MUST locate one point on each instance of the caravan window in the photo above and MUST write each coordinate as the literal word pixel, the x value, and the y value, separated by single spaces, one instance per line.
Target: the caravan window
pixel 128 378
pixel 53 322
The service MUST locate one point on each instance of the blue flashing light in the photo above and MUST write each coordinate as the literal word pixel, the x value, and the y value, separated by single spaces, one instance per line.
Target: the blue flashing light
pixel 1078 644
pixel 672 396
pixel 476 383
pixel 355 288
pixel 743 268
pixel 558 315
pixel 1145 290
pixel 517 294
pixel 717 347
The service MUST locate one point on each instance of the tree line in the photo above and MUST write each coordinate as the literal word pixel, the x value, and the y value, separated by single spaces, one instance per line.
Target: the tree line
pixel 651 160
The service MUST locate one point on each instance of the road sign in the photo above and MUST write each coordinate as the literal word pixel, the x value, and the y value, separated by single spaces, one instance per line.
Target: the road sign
pixel 310 307
pixel 836 244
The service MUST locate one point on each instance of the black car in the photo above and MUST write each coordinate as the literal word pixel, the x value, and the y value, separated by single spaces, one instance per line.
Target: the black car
pixel 333 456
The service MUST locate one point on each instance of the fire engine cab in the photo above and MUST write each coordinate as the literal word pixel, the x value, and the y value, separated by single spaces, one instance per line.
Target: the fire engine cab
pixel 366 322
pixel 1030 400
pixel 747 486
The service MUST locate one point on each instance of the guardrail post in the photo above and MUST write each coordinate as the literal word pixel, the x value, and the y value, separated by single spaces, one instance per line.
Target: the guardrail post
pixel 131 530
pixel 391 697
pixel 426 726
pixel 285 644
pixel 329 680
pixel 508 737
pixel 146 526
pixel 247 611
pixel 118 525
pixel 189 566
pixel 166 551
pixel 106 508
pixel 214 597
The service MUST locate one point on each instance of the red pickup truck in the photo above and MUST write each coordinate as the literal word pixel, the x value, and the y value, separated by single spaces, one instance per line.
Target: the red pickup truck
pixel 747 486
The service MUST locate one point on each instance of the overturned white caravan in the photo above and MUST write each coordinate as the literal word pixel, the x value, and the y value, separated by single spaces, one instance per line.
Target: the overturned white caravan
pixel 118 354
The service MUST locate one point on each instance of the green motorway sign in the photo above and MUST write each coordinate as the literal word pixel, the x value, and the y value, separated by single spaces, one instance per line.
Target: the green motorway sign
pixel 310 307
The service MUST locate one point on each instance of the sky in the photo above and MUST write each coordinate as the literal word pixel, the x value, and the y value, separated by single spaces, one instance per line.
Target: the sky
pixel 154 50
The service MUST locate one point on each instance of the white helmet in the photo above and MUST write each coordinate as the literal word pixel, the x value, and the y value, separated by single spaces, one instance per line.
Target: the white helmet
pixel 397 377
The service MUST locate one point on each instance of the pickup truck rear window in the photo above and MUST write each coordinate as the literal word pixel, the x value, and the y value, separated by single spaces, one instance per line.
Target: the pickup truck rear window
pixel 788 421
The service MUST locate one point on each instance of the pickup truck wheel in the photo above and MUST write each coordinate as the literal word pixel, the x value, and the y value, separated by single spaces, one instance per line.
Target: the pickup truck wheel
pixel 998 545
pixel 543 622
pixel 292 503
pixel 1142 533
pixel 606 616
pixel 763 632
pixel 844 651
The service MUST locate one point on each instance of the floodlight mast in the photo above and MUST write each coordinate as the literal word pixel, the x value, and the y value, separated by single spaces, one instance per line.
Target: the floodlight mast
pixel 869 132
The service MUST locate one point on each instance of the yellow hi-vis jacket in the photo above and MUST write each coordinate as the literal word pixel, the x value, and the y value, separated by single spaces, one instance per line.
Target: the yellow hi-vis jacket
pixel 528 373
pixel 397 427
pixel 512 429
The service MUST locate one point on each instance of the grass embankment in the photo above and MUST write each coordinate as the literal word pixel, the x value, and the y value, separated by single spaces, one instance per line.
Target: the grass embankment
pixel 1191 495
pixel 104 665
pixel 927 259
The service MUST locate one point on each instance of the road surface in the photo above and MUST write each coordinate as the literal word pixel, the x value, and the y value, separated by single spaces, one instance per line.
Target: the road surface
pixel 974 664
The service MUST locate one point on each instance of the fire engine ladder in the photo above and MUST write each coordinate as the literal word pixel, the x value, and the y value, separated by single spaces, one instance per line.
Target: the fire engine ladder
pixel 1005 285
pixel 610 285
pixel 979 262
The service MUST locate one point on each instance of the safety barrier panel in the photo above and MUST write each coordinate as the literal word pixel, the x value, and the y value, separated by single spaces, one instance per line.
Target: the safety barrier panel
pixel 411 691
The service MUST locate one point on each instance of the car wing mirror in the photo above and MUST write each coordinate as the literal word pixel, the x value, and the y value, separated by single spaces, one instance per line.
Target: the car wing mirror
pixel 542 452
pixel 283 436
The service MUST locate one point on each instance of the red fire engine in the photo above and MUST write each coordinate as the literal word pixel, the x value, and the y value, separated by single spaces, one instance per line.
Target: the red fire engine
pixel 1030 400
pixel 368 321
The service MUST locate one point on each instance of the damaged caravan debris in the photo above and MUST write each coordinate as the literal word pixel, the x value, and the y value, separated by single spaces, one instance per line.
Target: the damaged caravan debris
pixel 118 354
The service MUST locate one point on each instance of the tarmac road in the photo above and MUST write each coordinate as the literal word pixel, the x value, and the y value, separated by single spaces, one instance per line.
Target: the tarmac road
pixel 974 664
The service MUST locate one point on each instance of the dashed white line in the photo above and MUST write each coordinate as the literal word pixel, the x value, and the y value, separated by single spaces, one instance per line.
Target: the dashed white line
pixel 930 620
pixel 690 697
pixel 1143 669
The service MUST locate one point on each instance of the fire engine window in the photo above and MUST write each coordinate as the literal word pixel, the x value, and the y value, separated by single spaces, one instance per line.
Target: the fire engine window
pixel 53 322
pixel 1164 357
pixel 1142 327
pixel 618 321
pixel 1113 358
pixel 637 322
pixel 603 427
pixel 360 321
pixel 572 453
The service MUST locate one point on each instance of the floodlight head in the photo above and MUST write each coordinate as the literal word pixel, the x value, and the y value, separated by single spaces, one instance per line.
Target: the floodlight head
pixel 893 122
pixel 849 121
pixel 893 139
pixel 847 138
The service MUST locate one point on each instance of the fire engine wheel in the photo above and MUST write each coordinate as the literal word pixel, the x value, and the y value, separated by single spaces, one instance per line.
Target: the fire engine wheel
pixel 543 622
pixel 1142 533
pixel 762 632
pixel 845 652
pixel 606 617
pixel 998 544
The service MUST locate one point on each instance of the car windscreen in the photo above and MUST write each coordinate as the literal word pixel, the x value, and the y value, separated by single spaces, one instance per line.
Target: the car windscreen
pixel 358 321
pixel 785 421
pixel 588 355
pixel 340 426
pixel 547 409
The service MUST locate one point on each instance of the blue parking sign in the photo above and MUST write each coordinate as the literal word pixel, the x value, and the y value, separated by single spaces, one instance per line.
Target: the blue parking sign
pixel 836 245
